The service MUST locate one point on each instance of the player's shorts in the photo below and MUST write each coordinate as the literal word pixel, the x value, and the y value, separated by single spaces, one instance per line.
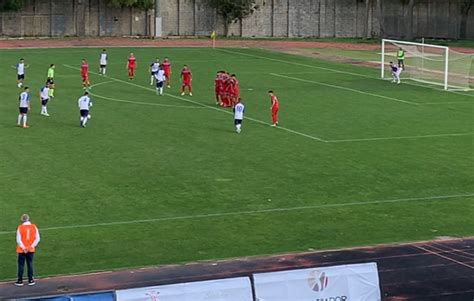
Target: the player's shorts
pixel 50 81
pixel 167 74
pixel 237 121
pixel 153 73
pixel 84 113
pixel 23 110
pixel 103 66
pixel 44 101
pixel 186 84
pixel 85 78
pixel 20 76
pixel 159 84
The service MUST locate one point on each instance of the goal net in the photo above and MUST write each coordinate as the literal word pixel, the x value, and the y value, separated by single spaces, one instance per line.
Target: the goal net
pixel 431 64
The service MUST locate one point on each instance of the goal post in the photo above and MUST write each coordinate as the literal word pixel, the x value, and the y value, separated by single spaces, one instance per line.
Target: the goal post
pixel 430 64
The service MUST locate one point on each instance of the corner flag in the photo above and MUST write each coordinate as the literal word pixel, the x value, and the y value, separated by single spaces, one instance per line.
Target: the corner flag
pixel 213 37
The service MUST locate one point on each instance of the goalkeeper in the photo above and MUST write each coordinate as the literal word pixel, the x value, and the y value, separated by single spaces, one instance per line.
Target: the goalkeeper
pixel 401 58
pixel 395 73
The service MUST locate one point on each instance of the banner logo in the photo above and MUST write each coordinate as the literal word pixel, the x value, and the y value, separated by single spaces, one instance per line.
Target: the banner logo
pixel 152 295
pixel 317 281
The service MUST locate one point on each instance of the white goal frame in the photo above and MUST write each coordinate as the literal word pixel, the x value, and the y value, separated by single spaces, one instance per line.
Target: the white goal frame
pixel 446 57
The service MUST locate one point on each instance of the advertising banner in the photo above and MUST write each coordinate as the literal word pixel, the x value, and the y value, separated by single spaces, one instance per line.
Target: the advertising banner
pixel 356 282
pixel 235 289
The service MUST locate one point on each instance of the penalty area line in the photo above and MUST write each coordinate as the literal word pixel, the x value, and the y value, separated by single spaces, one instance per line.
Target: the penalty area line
pixel 253 212
pixel 204 105
pixel 344 88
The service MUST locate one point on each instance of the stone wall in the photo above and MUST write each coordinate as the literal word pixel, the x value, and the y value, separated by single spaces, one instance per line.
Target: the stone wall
pixel 273 18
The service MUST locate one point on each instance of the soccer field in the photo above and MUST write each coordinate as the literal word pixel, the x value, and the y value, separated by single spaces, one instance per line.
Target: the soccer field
pixel 156 180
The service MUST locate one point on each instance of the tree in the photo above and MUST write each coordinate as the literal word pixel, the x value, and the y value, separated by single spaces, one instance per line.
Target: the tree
pixel 368 24
pixel 140 4
pixel 466 6
pixel 233 10
pixel 411 8
pixel 11 5
pixel 380 16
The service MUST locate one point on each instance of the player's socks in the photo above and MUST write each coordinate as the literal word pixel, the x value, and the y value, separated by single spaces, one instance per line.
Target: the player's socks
pixel 161 91
pixel 151 81
pixel 82 119
pixel 19 119
pixel 24 121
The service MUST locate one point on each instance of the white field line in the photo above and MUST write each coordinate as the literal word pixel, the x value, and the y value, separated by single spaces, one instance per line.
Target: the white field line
pixel 139 102
pixel 265 123
pixel 344 88
pixel 204 105
pixel 400 138
pixel 334 70
pixel 251 212
pixel 296 64
pixel 447 103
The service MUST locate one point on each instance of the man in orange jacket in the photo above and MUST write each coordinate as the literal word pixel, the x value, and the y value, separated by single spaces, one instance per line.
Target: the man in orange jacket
pixel 27 238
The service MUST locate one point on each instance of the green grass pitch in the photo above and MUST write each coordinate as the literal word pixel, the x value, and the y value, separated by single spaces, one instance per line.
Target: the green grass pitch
pixel 157 180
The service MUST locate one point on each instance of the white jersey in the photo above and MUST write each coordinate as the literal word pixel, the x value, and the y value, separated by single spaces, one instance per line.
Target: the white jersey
pixel 160 76
pixel 103 59
pixel 44 93
pixel 20 68
pixel 239 110
pixel 155 67
pixel 24 99
pixel 84 102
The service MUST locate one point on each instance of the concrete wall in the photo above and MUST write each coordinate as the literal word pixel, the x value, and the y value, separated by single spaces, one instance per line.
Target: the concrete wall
pixel 274 18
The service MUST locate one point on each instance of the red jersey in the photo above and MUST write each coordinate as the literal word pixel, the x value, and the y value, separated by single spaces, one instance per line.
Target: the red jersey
pixel 84 69
pixel 274 101
pixel 235 88
pixel 131 62
pixel 186 75
pixel 166 67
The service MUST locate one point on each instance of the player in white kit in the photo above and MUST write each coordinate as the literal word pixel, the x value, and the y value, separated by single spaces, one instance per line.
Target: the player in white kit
pixel 160 80
pixel 24 106
pixel 84 103
pixel 395 70
pixel 20 72
pixel 239 110
pixel 154 67
pixel 44 98
pixel 103 62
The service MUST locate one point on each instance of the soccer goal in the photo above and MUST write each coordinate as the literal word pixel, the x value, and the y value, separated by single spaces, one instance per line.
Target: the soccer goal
pixel 430 64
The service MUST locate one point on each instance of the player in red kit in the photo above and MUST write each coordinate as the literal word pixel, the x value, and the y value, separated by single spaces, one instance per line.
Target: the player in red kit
pixel 217 88
pixel 167 69
pixel 274 108
pixel 235 91
pixel 85 74
pixel 186 79
pixel 131 64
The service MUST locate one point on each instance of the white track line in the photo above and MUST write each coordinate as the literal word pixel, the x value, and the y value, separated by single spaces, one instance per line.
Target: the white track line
pixel 252 212
pixel 344 88
pixel 334 70
pixel 445 257
pixel 204 105
pixel 400 138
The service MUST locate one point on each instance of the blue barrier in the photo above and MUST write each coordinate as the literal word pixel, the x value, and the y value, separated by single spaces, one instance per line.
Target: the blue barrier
pixel 87 297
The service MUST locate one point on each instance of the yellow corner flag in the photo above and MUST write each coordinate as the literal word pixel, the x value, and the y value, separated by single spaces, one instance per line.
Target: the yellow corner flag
pixel 213 37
